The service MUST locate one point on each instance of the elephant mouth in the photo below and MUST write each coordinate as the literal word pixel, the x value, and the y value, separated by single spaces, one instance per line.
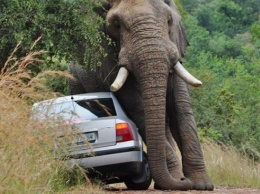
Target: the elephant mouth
pixel 178 68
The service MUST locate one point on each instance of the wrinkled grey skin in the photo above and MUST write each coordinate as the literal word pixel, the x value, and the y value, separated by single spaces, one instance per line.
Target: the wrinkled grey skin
pixel 150 39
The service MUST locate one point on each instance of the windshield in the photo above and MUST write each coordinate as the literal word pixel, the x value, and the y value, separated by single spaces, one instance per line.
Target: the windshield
pixel 85 109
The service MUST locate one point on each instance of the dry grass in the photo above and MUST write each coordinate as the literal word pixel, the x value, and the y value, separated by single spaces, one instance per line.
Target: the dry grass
pixel 27 164
pixel 227 167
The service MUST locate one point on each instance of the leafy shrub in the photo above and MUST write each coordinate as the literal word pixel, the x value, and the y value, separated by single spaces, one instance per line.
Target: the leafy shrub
pixel 224 52
pixel 69 31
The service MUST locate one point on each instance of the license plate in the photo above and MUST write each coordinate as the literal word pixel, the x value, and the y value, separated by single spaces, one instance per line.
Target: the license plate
pixel 91 137
pixel 86 137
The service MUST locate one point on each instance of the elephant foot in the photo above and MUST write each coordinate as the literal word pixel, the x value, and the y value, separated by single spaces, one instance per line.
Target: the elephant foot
pixel 187 181
pixel 157 187
pixel 201 181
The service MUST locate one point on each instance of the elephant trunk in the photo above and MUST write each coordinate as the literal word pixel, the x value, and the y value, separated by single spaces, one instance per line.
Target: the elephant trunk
pixel 153 81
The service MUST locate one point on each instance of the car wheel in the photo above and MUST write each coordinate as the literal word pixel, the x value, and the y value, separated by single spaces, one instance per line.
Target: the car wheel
pixel 143 180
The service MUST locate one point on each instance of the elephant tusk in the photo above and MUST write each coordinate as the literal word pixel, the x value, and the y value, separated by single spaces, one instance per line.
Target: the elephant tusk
pixel 120 79
pixel 186 76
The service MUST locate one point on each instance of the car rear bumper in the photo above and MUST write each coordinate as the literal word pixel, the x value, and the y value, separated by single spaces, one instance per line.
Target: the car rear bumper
pixel 125 157
pixel 118 164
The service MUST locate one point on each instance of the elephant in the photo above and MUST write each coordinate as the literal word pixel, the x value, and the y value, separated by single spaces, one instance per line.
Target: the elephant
pixel 144 70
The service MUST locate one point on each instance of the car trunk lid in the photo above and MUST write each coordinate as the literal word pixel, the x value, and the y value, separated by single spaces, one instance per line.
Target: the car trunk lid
pixel 98 133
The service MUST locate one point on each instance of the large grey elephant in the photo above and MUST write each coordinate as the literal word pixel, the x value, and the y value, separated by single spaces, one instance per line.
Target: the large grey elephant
pixel 144 70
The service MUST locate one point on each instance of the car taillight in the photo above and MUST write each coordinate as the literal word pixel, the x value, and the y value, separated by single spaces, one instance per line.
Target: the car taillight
pixel 123 132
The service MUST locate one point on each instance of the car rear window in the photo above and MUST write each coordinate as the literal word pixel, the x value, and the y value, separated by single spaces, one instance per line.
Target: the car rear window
pixel 103 107
pixel 87 109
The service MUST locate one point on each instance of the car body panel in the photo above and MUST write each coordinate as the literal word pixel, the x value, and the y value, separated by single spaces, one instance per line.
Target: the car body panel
pixel 102 129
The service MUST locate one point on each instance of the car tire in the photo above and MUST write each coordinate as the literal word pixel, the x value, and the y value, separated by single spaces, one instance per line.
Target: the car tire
pixel 143 180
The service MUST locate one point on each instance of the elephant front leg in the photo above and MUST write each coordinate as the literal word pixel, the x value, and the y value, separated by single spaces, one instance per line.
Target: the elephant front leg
pixel 184 130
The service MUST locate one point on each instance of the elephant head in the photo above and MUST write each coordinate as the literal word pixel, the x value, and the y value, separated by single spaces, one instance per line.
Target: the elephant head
pixel 151 42
pixel 161 25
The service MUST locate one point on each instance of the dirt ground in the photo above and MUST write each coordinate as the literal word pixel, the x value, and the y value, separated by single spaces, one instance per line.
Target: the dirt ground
pixel 121 188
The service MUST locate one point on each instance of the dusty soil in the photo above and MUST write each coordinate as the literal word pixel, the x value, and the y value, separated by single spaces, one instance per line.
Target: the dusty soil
pixel 121 188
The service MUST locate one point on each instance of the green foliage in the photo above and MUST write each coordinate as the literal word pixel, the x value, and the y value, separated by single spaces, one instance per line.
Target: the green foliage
pixel 227 16
pixel 56 83
pixel 224 52
pixel 189 5
pixel 256 29
pixel 69 31
pixel 183 12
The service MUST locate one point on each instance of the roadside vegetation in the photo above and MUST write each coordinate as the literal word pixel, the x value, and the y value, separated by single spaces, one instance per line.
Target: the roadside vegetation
pixel 27 163
pixel 228 168
pixel 224 53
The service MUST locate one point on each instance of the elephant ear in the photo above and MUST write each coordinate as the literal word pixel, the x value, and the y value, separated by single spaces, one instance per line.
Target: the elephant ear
pixel 177 32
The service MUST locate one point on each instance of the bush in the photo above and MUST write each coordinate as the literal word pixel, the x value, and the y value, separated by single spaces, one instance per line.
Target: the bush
pixel 69 31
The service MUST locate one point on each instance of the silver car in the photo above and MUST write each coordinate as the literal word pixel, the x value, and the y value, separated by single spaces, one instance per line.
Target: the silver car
pixel 106 139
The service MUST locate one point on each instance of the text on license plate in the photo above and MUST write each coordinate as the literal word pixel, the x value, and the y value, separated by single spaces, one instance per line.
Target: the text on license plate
pixel 90 137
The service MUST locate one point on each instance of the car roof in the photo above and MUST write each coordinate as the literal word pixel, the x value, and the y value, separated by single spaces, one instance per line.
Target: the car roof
pixel 76 97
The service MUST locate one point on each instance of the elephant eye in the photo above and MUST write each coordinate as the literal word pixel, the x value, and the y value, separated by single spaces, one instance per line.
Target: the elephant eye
pixel 170 20
pixel 116 23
